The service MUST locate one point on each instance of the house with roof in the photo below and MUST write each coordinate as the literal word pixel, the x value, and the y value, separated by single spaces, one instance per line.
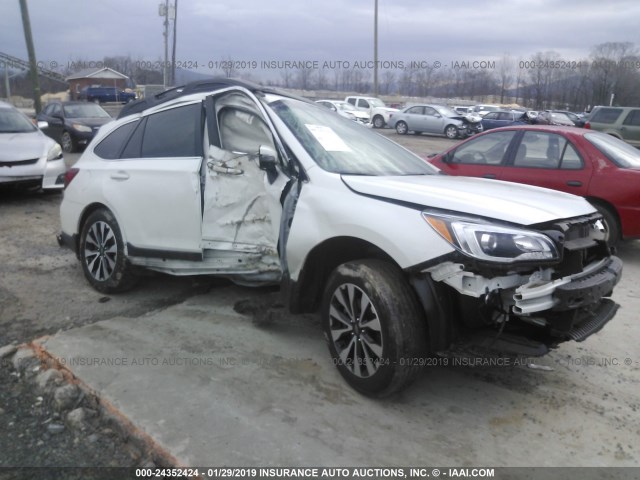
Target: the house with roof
pixel 100 77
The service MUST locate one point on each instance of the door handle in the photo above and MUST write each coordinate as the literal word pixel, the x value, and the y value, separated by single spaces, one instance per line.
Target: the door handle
pixel 120 175
pixel 489 175
pixel 574 183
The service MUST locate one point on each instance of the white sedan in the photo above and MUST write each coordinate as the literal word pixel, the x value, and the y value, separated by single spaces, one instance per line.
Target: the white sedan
pixel 27 156
pixel 345 109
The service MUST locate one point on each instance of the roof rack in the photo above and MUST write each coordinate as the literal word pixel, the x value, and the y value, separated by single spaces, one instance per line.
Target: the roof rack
pixel 138 106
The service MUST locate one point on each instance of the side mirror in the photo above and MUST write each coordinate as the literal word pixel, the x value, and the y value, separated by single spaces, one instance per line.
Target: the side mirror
pixel 42 125
pixel 447 158
pixel 267 161
pixel 437 115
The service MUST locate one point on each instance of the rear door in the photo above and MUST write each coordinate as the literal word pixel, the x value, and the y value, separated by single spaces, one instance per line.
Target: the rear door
pixel 548 160
pixel 152 181
pixel 415 119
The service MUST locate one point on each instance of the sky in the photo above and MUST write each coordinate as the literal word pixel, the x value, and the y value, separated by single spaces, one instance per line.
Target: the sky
pixel 317 30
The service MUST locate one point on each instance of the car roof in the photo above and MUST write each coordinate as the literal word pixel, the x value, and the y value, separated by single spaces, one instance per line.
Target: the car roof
pixel 6 105
pixel 201 86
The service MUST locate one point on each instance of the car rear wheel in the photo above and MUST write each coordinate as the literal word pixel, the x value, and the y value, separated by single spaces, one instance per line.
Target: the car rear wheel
pixel 374 327
pixel 402 128
pixel 378 121
pixel 102 254
pixel 451 132
pixel 68 144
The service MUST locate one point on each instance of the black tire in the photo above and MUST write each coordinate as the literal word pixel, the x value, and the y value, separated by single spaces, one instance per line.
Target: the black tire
pixel 611 223
pixel 417 133
pixel 378 121
pixel 402 128
pixel 451 132
pixel 67 142
pixel 378 352
pixel 102 254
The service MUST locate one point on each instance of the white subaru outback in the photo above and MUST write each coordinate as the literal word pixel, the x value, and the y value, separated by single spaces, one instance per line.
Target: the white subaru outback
pixel 232 179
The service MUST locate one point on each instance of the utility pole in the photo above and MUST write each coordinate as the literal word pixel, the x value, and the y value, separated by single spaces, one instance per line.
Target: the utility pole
pixel 173 53
pixel 163 11
pixel 26 23
pixel 375 50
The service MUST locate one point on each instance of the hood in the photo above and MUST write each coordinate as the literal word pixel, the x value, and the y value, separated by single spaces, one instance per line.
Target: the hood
pixel 509 202
pixel 23 146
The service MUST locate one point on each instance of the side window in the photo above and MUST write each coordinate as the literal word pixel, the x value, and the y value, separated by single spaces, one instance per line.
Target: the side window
pixel 56 110
pixel 546 150
pixel 109 148
pixel 633 118
pixel 351 100
pixel 363 103
pixel 491 116
pixel 174 133
pixel 430 111
pixel 48 110
pixel 487 149
pixel 606 115
pixel 415 110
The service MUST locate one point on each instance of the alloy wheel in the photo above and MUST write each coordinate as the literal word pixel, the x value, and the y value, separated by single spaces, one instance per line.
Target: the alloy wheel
pixel 100 251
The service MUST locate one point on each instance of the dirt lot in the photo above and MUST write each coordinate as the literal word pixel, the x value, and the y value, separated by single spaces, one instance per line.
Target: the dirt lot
pixel 42 291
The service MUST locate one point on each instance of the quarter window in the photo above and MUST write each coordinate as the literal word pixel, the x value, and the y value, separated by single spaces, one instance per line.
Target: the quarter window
pixel 633 118
pixel 109 148
pixel 606 115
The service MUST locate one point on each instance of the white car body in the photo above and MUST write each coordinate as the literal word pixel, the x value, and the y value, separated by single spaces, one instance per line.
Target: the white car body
pixel 374 107
pixel 345 110
pixel 28 156
pixel 283 191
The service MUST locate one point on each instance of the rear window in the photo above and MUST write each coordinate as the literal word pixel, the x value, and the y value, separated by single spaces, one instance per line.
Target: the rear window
pixel 619 152
pixel 606 115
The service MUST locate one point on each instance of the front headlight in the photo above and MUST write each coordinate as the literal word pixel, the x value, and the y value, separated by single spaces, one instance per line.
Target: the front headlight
pixel 81 128
pixel 493 243
pixel 54 153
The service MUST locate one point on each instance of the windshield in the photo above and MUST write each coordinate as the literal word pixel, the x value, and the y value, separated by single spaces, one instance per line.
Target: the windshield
pixel 619 152
pixel 12 121
pixel 85 110
pixel 341 146
pixel 376 102
pixel 446 111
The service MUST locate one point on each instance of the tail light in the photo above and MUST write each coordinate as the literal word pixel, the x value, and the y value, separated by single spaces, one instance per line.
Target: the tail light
pixel 70 175
pixel 587 125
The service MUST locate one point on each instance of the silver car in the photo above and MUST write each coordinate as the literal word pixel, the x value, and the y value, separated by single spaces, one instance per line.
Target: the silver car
pixel 429 119
pixel 27 156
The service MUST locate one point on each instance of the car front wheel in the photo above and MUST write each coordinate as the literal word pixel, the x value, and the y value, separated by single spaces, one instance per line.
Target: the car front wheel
pixel 378 121
pixel 451 132
pixel 102 254
pixel 374 327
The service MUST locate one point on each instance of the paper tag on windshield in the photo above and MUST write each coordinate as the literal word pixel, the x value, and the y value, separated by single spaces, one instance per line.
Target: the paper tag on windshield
pixel 329 139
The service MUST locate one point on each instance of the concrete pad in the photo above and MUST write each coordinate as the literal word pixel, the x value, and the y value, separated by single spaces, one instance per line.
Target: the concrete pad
pixel 213 388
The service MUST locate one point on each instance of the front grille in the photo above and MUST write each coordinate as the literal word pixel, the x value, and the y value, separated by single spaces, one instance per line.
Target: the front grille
pixel 18 163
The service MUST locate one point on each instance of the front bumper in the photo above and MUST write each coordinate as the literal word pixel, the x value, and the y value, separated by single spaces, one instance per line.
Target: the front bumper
pixel 571 292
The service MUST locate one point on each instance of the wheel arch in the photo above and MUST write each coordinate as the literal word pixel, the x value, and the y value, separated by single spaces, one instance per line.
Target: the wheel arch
pixel 88 210
pixel 305 294
pixel 595 201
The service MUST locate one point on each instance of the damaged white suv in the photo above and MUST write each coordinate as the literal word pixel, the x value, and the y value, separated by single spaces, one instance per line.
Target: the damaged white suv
pixel 231 179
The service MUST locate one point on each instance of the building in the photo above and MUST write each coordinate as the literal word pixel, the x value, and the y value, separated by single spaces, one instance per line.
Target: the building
pixel 101 77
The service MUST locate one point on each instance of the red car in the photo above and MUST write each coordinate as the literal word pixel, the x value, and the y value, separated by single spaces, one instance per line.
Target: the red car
pixel 599 167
